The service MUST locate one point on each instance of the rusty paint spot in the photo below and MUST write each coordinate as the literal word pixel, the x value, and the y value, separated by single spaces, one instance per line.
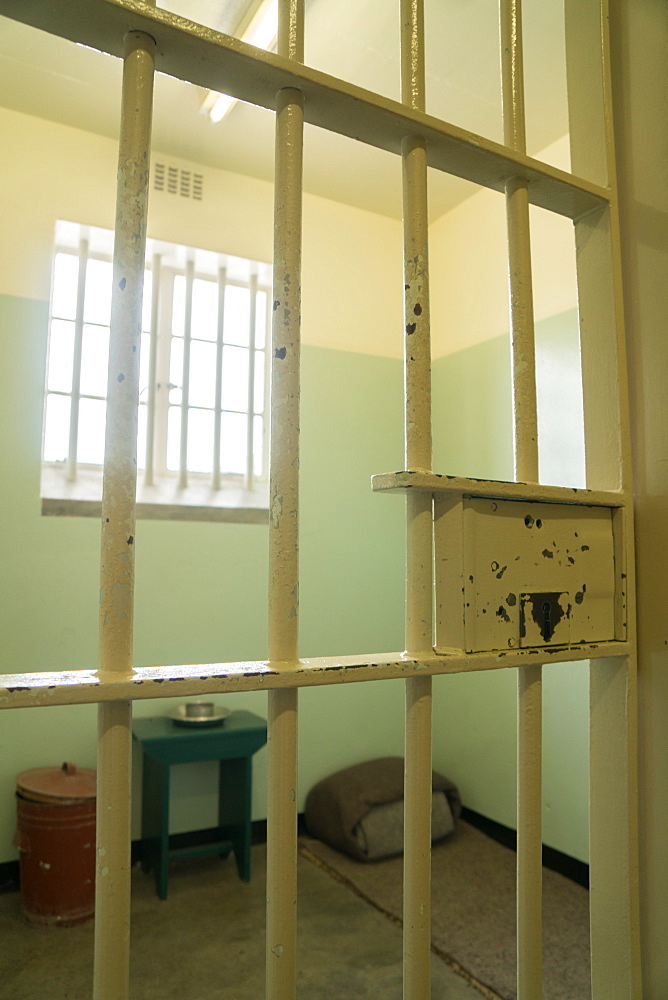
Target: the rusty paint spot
pixel 528 520
pixel 501 572
pixel 511 600
pixel 280 353
pixel 417 309
pixel 547 554
pixel 410 328
pixel 122 283
pixel 120 378
pixel 502 613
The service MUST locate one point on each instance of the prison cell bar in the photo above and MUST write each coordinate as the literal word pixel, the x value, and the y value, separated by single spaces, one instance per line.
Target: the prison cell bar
pixel 419 538
pixel 525 423
pixel 73 444
pixel 112 883
pixel 283 607
pixel 613 835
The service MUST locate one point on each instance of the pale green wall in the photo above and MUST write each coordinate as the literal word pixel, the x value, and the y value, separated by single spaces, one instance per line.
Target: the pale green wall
pixel 191 607
pixel 201 588
pixel 475 714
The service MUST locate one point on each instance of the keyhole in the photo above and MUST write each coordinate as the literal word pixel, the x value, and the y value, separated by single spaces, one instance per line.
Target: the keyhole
pixel 547 629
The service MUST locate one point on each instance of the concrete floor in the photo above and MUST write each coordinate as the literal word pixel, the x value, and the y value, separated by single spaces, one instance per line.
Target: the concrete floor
pixel 206 942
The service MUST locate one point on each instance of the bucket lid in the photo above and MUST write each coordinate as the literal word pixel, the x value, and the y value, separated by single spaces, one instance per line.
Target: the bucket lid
pixel 66 782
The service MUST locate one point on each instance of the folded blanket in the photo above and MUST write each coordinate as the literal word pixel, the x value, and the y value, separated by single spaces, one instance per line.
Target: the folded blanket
pixel 380 833
pixel 337 804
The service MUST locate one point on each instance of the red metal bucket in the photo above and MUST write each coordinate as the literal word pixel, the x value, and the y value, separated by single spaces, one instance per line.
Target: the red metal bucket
pixel 56 840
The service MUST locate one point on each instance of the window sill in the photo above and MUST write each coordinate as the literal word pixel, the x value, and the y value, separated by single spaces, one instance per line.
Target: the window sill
pixel 165 501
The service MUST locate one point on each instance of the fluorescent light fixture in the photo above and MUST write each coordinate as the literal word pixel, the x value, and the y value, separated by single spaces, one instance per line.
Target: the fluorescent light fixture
pixel 261 32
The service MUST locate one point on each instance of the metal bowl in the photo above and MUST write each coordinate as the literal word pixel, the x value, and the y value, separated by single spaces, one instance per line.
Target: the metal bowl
pixel 199 714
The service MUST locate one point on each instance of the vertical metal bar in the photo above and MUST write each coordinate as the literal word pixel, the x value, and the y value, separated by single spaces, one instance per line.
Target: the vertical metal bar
pixel 529 690
pixel 529 833
pixel 218 402
pixel 76 363
pixel 613 807
pixel 519 250
pixel 251 382
pixel 112 889
pixel 149 471
pixel 283 608
pixel 419 522
pixel 185 376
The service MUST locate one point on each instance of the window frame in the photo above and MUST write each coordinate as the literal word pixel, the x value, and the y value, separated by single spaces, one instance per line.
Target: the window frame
pixel 74 487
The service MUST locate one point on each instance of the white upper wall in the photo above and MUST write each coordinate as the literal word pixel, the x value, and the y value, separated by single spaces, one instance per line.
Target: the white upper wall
pixel 352 263
pixel 351 281
pixel 469 277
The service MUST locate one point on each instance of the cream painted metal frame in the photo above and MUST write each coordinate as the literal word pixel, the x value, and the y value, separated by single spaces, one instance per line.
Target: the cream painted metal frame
pixel 148 38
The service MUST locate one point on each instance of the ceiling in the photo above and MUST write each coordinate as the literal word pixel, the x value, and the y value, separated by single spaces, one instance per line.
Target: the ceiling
pixel 357 40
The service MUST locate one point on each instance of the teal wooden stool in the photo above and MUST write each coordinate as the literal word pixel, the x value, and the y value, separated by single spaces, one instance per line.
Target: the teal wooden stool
pixel 232 744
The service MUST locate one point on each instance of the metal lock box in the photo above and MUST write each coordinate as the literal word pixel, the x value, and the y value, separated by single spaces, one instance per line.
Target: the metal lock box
pixel 513 574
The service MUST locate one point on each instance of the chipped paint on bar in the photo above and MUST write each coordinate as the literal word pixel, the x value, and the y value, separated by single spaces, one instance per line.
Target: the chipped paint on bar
pixel 111 976
pixel 525 440
pixel 419 538
pixel 283 607
pixel 84 687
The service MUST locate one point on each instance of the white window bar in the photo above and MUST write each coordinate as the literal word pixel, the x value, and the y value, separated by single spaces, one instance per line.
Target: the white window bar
pixel 217 416
pixel 149 471
pixel 76 362
pixel 250 426
pixel 114 774
pixel 525 420
pixel 417 431
pixel 185 375
pixel 283 607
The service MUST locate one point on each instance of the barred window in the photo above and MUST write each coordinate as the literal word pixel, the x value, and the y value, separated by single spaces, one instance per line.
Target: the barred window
pixel 202 429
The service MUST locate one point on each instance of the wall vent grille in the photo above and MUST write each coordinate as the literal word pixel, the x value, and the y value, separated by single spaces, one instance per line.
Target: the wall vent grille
pixel 173 180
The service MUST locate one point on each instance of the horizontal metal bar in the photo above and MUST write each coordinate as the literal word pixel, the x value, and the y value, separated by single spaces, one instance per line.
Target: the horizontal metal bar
pixel 431 482
pixel 210 59
pixel 70 687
